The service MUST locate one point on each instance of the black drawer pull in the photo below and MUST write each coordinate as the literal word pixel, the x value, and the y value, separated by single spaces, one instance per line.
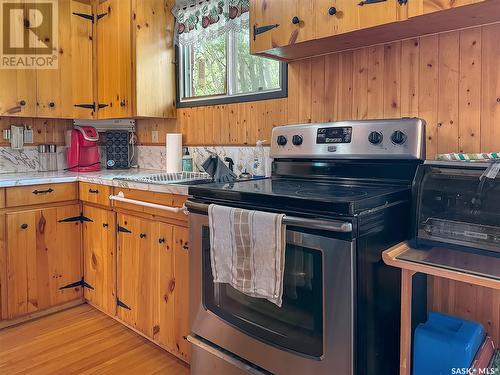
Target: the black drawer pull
pixel 24 226
pixel 94 191
pixel 22 103
pixel 142 235
pixel 161 240
pixel 185 246
pixel 368 2
pixel 332 11
pixel 49 190
pixel 105 225
pixel 295 20
pixel 52 104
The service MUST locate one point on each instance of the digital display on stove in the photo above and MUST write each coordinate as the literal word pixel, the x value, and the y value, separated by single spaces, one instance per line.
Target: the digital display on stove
pixel 334 135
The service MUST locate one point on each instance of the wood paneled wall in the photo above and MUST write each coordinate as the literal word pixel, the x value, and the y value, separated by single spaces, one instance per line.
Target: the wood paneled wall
pixel 44 130
pixel 452 80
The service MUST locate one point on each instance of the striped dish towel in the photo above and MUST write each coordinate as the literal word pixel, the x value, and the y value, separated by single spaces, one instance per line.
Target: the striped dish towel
pixel 247 250
pixel 469 157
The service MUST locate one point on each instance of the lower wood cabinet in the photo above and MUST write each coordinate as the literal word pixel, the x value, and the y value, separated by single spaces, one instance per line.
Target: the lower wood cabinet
pixel 43 256
pixel 99 254
pixel 152 281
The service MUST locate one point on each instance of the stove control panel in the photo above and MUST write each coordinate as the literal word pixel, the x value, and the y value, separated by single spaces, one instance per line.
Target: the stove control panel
pixel 378 139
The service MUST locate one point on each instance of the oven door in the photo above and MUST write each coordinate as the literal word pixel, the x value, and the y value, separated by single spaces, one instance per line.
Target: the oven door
pixel 313 330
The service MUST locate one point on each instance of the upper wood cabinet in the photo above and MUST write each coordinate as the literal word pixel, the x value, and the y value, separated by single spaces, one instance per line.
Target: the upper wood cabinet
pixel 297 21
pixel 43 92
pixel 296 29
pixel 59 90
pixel 135 59
pixel 115 59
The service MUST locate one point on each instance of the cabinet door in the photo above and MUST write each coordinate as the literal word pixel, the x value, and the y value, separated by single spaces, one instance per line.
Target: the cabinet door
pixel 43 256
pixel 165 323
pixel 114 59
pixel 334 17
pixel 59 90
pixel 181 294
pixel 18 93
pixel 99 244
pixel 380 13
pixel 137 272
pixel 295 20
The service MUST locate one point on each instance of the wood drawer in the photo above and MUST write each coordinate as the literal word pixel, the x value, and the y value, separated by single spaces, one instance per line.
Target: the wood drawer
pixel 95 193
pixel 41 194
pixel 165 199
pixel 2 198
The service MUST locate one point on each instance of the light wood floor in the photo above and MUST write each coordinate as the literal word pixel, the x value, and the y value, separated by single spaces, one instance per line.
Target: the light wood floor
pixel 81 340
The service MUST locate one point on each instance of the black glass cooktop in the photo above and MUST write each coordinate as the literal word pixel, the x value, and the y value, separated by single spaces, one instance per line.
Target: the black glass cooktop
pixel 307 195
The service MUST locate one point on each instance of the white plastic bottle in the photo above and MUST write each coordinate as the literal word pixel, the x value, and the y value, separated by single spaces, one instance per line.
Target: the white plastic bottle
pixel 259 161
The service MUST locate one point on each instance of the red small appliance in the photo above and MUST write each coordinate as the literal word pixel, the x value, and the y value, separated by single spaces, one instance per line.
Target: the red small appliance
pixel 83 152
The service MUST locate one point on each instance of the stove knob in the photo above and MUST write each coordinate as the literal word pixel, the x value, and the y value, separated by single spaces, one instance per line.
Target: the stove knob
pixel 375 138
pixel 398 137
pixel 297 140
pixel 281 140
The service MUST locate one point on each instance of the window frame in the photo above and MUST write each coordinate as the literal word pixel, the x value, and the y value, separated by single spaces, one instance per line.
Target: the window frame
pixel 282 92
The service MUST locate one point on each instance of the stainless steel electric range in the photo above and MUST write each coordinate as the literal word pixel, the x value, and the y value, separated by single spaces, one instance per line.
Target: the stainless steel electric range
pixel 345 188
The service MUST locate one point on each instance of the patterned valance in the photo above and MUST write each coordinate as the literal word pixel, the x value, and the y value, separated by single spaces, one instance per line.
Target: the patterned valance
pixel 207 19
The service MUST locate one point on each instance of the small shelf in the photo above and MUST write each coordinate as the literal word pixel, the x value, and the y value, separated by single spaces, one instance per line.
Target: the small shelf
pixel 480 268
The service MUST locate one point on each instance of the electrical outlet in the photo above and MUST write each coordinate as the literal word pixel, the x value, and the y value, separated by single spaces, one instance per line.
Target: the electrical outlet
pixel 154 136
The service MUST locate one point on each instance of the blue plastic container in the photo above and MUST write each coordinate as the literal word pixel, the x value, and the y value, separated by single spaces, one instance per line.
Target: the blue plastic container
pixel 445 343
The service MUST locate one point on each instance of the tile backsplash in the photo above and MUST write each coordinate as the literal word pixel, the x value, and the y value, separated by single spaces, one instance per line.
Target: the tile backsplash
pixel 26 160
pixel 149 157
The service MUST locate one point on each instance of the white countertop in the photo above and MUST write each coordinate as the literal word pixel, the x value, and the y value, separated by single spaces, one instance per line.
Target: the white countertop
pixel 103 177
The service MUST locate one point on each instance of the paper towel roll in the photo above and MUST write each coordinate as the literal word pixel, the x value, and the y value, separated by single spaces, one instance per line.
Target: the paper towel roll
pixel 174 152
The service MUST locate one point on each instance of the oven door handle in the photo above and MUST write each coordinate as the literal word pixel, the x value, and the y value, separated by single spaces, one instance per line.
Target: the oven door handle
pixel 319 224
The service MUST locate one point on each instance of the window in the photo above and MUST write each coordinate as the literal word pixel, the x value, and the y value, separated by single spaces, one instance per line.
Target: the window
pixel 220 69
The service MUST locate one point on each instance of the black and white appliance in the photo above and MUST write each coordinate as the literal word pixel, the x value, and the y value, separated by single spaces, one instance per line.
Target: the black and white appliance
pixel 457 204
pixel 345 188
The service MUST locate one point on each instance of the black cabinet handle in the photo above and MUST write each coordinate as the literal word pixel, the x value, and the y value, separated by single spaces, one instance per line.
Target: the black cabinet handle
pixel 295 20
pixel 142 235
pixel 161 240
pixel 123 103
pixel 105 225
pixel 22 103
pixel 49 190
pixel 94 191
pixel 52 104
pixel 332 11
pixel 367 2
pixel 24 226
pixel 185 246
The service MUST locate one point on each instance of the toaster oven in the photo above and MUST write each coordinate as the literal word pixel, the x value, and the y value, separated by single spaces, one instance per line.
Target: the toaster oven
pixel 458 204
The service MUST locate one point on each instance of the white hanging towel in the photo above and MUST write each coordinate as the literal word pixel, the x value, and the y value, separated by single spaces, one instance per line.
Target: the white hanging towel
pixel 247 250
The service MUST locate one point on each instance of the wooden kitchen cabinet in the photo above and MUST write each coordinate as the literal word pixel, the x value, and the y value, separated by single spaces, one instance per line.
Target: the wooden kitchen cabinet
pixel 60 90
pixel 135 59
pixel 302 20
pixel 137 272
pixel 99 258
pixel 295 20
pixel 153 281
pixel 43 255
pixel 20 97
pixel 115 60
pixel 55 92
pixel 338 25
pixel 181 302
